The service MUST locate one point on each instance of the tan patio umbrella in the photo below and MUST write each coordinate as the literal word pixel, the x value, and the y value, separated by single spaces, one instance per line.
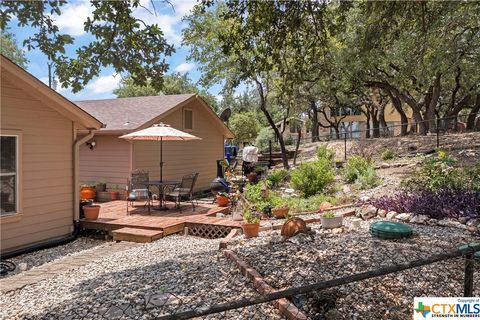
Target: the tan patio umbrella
pixel 160 132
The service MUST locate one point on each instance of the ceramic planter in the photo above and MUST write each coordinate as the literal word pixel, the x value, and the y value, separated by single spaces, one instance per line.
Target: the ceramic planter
pixel 87 193
pixel 280 213
pixel 293 226
pixel 222 201
pixel 91 212
pixel 113 195
pixel 251 230
pixel 331 223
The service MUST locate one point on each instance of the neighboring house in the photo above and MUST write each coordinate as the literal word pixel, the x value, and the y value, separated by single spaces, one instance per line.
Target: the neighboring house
pixel 354 122
pixel 111 159
pixel 39 162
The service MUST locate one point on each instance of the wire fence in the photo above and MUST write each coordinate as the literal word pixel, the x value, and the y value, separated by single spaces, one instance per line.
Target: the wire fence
pixel 438 135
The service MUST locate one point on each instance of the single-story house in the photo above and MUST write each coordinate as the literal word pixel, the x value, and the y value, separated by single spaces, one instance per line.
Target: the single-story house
pixel 109 159
pixel 39 161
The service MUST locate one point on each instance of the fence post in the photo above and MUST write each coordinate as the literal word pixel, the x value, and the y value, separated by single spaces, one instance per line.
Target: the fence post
pixel 345 144
pixel 468 281
pixel 438 134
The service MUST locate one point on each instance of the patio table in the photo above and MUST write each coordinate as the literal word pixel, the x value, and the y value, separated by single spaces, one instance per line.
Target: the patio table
pixel 161 185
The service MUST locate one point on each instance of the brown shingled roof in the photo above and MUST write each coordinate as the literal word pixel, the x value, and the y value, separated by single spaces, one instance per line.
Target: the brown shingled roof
pixel 127 114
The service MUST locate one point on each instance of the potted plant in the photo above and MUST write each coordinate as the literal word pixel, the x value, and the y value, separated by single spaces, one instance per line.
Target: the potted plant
pixel 83 203
pixel 251 224
pixel 114 192
pixel 222 199
pixel 87 191
pixel 101 186
pixel 279 207
pixel 330 220
pixel 91 211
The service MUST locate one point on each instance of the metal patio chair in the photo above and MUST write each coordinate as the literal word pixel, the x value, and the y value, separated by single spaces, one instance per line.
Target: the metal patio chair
pixel 137 189
pixel 184 190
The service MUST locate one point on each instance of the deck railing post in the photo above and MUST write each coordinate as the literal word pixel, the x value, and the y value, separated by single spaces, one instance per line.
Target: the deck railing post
pixel 468 281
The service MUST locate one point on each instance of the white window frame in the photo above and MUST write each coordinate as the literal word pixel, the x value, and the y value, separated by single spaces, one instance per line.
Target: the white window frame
pixel 193 126
pixel 5 217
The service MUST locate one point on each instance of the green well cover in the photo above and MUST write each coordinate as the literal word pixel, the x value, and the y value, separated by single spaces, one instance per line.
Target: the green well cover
pixel 390 230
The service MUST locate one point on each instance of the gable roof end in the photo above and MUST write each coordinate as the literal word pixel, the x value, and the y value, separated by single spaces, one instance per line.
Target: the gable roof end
pixel 43 92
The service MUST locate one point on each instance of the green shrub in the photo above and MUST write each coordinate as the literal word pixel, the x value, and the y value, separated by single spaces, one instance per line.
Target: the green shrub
pixel 387 154
pixel 323 152
pixel 264 136
pixel 438 173
pixel 277 176
pixel 253 193
pixel 314 177
pixel 368 179
pixel 309 204
pixel 361 171
pixel 355 167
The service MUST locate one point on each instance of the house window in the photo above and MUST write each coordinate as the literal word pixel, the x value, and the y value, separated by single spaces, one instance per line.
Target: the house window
pixel 9 174
pixel 187 119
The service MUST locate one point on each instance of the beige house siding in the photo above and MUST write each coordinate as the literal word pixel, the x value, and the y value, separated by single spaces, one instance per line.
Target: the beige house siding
pixel 184 157
pixel 45 164
pixel 109 160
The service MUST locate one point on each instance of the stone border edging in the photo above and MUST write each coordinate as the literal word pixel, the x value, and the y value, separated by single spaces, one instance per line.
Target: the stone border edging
pixel 286 307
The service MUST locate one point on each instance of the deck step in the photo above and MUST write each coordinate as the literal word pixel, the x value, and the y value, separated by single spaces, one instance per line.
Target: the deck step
pixel 136 235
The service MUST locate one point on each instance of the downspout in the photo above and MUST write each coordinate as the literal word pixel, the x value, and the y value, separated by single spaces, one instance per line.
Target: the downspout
pixel 76 176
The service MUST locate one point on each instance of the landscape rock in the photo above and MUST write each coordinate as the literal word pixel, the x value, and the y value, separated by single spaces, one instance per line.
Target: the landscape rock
pixel 419 218
pixel 382 213
pixel 472 229
pixel 391 214
pixel 473 222
pixel 337 230
pixel 368 212
pixel 404 217
pixel 346 188
pixel 451 223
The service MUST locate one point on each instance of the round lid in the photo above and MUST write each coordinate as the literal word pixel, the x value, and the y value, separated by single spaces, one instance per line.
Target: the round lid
pixel 390 230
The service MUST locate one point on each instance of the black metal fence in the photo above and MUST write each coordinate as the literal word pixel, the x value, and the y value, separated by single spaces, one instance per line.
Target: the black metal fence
pixel 245 306
pixel 440 130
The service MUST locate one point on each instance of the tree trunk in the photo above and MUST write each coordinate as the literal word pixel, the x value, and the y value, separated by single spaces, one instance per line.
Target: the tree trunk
pixel 315 127
pixel 397 104
pixel 263 107
pixel 299 132
pixel 473 114
pixel 375 124
pixel 367 125
pixel 431 104
pixel 382 122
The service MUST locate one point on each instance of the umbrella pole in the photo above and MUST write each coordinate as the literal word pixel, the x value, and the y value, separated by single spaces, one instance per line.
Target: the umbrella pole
pixel 161 159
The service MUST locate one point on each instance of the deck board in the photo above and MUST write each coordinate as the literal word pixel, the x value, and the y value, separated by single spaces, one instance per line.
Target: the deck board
pixel 113 218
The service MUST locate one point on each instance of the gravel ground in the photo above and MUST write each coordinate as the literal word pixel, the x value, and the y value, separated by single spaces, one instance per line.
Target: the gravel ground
pixel 327 256
pixel 173 274
pixel 38 258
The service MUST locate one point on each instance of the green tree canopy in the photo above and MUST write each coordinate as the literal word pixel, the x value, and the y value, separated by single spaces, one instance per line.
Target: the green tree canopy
pixel 121 40
pixel 245 126
pixel 9 48
pixel 174 83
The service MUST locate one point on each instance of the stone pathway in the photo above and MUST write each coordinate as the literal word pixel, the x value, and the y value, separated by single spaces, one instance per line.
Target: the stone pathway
pixel 62 265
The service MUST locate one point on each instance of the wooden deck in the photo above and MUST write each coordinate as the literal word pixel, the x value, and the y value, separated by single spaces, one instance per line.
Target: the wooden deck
pixel 139 224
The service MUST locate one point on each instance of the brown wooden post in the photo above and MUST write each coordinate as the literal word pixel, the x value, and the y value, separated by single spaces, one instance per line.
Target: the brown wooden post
pixel 468 281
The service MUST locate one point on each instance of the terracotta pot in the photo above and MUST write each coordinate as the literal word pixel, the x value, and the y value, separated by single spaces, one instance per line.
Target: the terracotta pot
pixel 280 213
pixel 325 205
pixel 113 195
pixel 91 212
pixel 252 177
pixel 251 230
pixel 87 193
pixel 293 226
pixel 222 201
